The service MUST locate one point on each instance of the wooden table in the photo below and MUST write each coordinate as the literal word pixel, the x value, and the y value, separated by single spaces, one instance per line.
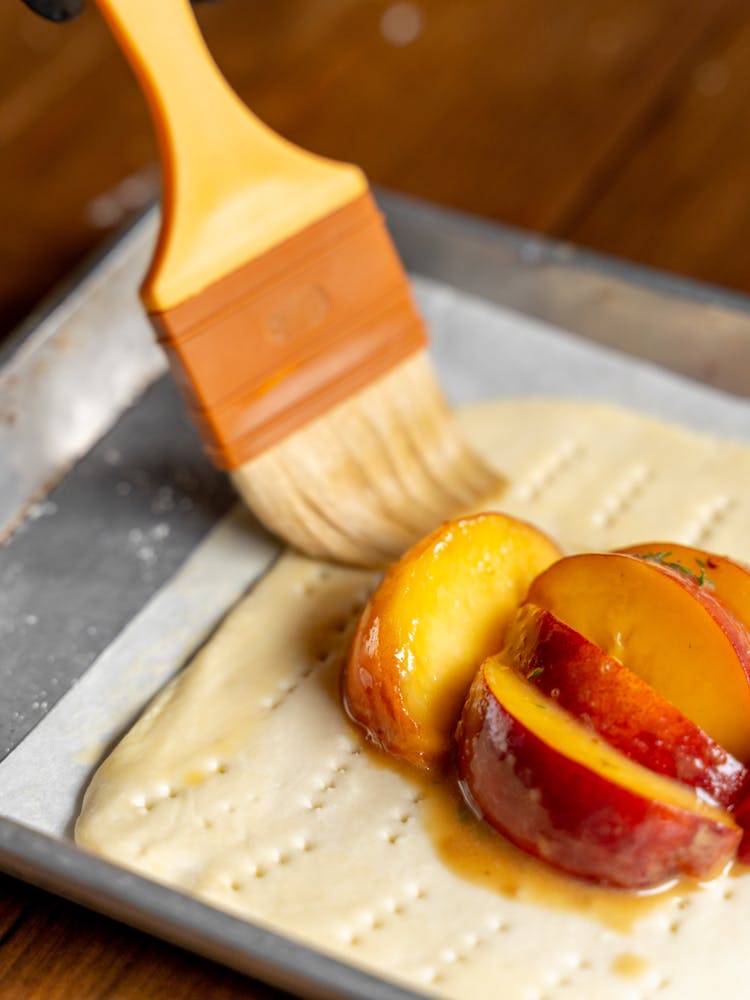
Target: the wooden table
pixel 619 124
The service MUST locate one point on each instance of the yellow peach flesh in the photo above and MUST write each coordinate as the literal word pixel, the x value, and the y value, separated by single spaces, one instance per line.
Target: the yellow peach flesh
pixel 725 579
pixel 563 732
pixel 679 640
pixel 543 779
pixel 437 614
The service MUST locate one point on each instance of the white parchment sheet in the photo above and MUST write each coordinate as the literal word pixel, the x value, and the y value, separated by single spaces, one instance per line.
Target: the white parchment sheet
pixel 481 352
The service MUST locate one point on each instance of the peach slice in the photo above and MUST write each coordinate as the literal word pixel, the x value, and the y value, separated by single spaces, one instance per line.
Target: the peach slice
pixel 556 790
pixel 439 611
pixel 663 627
pixel 723 578
pixel 618 705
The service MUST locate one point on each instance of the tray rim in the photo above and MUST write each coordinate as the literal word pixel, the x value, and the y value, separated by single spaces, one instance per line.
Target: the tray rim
pixel 61 867
pixel 411 210
pixel 537 246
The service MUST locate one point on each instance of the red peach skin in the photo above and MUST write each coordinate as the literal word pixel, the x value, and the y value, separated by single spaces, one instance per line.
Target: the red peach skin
pixel 675 635
pixel 549 785
pixel 725 579
pixel 623 709
pixel 741 816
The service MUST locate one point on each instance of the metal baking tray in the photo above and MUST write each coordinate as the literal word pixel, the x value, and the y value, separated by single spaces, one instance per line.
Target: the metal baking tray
pixel 97 454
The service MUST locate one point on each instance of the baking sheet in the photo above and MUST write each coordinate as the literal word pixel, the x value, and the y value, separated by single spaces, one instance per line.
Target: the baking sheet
pixel 109 542
pixel 481 351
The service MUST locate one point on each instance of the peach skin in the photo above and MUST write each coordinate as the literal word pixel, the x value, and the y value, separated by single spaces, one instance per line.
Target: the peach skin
pixel 741 816
pixel 439 611
pixel 618 705
pixel 674 634
pixel 557 791
pixel 725 579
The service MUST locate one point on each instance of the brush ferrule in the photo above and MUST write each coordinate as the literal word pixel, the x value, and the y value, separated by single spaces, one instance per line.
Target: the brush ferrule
pixel 276 343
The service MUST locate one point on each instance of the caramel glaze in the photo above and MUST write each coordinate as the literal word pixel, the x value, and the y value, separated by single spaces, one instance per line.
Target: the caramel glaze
pixel 474 851
pixel 471 849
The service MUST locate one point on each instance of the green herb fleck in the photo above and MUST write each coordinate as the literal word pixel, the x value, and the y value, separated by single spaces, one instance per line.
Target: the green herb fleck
pixel 703 578
pixel 536 672
pixel 662 558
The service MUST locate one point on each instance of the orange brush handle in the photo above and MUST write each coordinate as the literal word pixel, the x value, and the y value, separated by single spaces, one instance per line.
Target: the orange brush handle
pixel 232 188
pixel 275 288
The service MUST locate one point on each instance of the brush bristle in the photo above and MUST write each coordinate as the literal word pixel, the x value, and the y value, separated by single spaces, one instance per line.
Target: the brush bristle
pixel 363 482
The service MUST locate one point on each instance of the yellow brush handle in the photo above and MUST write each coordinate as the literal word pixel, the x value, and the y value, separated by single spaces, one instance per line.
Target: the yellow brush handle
pixel 232 188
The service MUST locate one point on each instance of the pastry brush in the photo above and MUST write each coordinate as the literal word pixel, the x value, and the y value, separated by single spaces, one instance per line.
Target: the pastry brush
pixel 287 316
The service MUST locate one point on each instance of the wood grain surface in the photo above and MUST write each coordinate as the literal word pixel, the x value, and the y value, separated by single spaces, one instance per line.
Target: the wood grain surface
pixel 619 124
